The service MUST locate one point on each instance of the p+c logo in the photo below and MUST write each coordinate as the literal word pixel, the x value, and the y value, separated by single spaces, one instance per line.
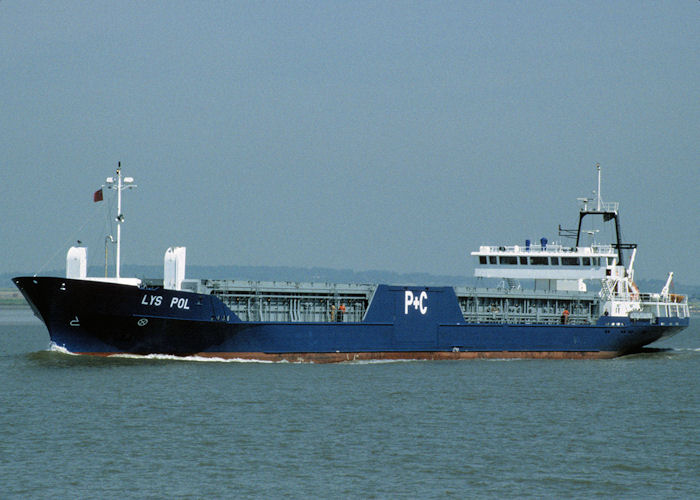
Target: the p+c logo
pixel 415 301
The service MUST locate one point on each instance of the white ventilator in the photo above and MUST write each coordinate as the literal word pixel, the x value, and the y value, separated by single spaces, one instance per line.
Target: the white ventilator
pixel 174 268
pixel 76 263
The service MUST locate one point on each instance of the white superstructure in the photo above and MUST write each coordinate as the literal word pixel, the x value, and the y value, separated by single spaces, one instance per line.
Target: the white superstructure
pixel 556 267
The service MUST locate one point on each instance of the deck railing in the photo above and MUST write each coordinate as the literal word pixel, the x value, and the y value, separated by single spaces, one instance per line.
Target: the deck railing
pixel 671 305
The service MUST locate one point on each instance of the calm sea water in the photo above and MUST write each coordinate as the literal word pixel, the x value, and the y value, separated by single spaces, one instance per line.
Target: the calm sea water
pixel 75 426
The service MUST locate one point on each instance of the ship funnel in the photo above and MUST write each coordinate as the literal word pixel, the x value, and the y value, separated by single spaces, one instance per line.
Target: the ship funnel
pixel 174 268
pixel 76 263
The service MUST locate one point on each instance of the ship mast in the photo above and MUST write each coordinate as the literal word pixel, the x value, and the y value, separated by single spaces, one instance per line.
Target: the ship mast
pixel 119 184
pixel 600 200
pixel 608 211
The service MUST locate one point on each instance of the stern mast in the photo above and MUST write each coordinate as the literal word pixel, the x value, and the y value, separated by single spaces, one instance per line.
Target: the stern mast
pixel 609 211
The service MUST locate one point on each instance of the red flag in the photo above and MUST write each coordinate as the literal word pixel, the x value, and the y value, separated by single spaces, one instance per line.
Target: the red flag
pixel 97 196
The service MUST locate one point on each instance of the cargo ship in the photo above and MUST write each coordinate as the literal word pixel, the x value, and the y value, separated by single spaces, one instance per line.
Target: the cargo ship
pixel 581 302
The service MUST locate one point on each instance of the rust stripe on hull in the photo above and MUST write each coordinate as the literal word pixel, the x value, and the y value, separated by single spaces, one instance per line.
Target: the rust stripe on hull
pixel 339 357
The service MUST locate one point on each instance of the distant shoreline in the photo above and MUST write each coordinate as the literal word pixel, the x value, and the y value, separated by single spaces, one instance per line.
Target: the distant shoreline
pixel 21 304
pixel 12 298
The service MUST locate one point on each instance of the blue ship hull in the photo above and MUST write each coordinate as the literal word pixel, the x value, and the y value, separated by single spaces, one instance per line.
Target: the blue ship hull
pixel 92 317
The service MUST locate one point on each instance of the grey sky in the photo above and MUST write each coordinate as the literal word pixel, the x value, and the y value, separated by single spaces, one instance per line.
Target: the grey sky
pixel 364 135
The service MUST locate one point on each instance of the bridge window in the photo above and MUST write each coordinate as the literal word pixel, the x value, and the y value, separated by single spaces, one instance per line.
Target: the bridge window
pixel 586 261
pixel 493 259
pixel 569 261
pixel 596 261
pixel 539 261
pixel 482 259
pixel 555 261
pixel 523 261
pixel 509 260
